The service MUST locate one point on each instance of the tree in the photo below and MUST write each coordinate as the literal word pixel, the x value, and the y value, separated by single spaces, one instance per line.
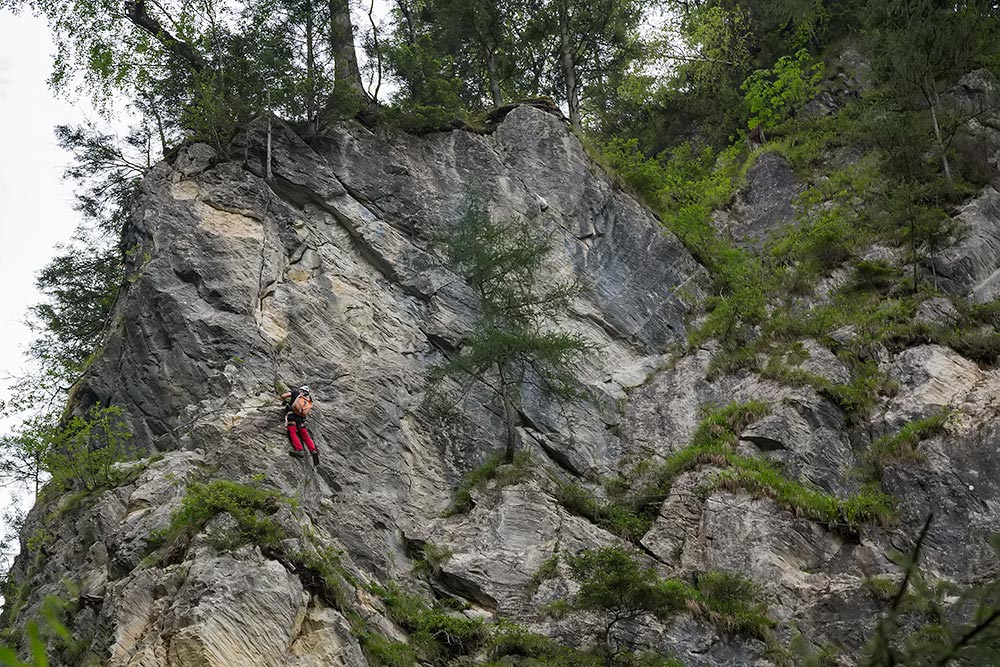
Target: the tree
pixel 621 590
pixel 922 45
pixel 513 341
pixel 596 39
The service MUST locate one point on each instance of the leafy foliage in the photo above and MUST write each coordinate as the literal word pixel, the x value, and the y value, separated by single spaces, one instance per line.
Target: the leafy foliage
pixel 513 341
pixel 773 95
pixel 618 587
pixel 88 450
pixel 249 506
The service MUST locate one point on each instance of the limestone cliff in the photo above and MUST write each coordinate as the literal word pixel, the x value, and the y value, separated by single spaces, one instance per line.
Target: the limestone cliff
pixel 323 274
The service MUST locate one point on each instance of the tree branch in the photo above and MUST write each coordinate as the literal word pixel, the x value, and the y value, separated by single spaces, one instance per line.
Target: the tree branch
pixel 136 12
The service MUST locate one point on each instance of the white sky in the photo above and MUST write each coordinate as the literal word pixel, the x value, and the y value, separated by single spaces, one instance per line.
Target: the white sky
pixel 36 206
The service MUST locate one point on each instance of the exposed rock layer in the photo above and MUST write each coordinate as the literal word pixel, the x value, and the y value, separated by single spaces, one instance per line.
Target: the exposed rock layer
pixel 326 274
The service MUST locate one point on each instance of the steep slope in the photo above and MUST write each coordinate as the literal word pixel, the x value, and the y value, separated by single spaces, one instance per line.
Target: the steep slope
pixel 324 273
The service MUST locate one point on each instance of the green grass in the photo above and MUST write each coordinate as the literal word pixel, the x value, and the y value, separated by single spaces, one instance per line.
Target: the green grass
pixel 250 506
pixel 902 446
pixel 760 478
pixel 631 511
pixel 733 603
pixel 883 588
pixel 321 571
pixel 548 570
pixel 492 469
pixel 439 635
pixel 384 652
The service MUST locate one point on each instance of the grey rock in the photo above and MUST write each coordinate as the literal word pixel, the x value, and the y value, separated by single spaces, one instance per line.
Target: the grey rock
pixel 976 98
pixel 931 378
pixel 325 273
pixel 938 312
pixel 765 205
pixel 971 266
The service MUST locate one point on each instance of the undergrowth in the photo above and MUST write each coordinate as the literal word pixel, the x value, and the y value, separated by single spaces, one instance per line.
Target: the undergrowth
pixel 492 469
pixel 636 499
pixel 249 506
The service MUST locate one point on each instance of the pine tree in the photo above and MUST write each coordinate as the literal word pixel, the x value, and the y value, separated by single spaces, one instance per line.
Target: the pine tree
pixel 514 338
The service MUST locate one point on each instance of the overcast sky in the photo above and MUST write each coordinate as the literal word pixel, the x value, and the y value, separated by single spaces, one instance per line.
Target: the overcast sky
pixel 36 207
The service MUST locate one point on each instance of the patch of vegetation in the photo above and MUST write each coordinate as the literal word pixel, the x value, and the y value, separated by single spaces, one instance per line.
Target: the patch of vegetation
pixel 430 559
pixel 618 518
pixel 621 591
pixel 436 632
pixel 902 446
pixel 321 571
pixel 630 513
pixel 492 469
pixel 883 588
pixel 548 570
pixel 249 506
pixel 384 652
pixel 440 635
pixel 733 602
pixel 48 632
pixel 761 478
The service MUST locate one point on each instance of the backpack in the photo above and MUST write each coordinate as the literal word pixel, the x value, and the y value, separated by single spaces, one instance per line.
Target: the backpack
pixel 302 404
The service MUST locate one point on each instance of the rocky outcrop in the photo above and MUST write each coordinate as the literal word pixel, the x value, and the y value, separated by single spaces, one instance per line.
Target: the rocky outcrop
pixel 326 272
pixel 971 266
pixel 765 205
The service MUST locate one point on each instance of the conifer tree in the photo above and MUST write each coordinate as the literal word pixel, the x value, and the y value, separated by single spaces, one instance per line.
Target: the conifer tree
pixel 515 339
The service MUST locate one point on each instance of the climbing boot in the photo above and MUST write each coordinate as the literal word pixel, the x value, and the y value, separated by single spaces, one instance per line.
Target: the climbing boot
pixel 297 453
pixel 315 458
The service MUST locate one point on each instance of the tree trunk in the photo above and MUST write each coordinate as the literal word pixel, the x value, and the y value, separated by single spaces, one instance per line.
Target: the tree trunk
pixel 569 69
pixel 491 70
pixel 310 70
pixel 135 10
pixel 508 416
pixel 345 58
pixel 407 12
pixel 934 101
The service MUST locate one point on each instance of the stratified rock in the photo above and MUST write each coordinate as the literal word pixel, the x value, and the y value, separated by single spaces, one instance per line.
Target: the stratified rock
pixel 971 267
pixel 931 378
pixel 938 312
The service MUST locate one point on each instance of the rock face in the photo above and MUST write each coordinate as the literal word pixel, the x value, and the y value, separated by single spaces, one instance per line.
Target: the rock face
pixel 972 265
pixel 325 273
pixel 765 205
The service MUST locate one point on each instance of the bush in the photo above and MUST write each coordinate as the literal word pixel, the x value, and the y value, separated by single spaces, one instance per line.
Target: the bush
pixel 614 584
pixel 734 603
pixel 773 95
pixel 87 450
pixel 249 506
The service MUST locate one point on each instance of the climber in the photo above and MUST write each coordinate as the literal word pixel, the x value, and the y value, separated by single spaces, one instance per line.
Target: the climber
pixel 297 408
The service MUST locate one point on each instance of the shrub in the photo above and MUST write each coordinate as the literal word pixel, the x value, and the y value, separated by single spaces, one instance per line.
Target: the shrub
pixel 251 508
pixel 734 603
pixel 435 633
pixel 616 586
pixel 87 450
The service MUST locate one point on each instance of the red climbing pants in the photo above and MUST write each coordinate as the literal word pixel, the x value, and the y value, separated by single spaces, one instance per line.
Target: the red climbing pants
pixel 302 433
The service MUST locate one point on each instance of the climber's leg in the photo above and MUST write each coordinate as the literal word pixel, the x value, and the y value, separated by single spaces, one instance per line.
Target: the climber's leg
pixel 294 437
pixel 304 434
